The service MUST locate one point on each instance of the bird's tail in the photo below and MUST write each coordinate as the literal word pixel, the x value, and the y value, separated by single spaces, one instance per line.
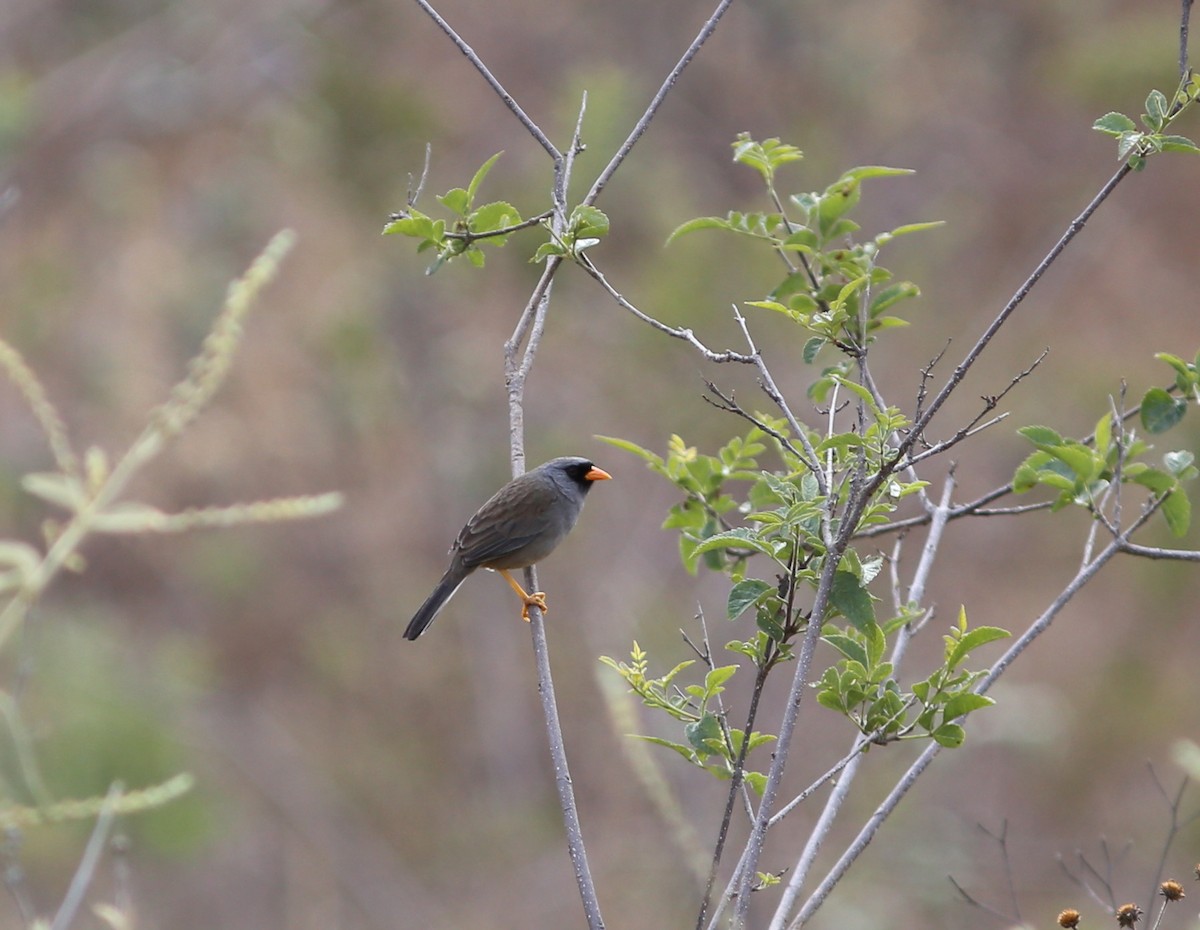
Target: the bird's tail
pixel 435 602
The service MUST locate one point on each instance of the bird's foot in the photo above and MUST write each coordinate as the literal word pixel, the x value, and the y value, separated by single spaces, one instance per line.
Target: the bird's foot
pixel 536 599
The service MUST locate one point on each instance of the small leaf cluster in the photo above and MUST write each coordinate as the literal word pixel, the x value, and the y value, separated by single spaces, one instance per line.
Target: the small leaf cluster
pixel 1160 410
pixel 710 743
pixel 862 687
pixel 470 227
pixel 1135 145
pixel 586 226
pixel 834 289
pixel 707 506
pixel 781 515
pixel 777 510
pixel 1082 473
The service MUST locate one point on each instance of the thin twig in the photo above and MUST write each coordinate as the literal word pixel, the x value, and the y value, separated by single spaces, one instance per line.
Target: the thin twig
pixel 889 804
pixel 606 175
pixel 1185 18
pixel 82 879
pixel 1002 841
pixel 469 237
pixel 685 334
pixel 1073 229
pixel 787 728
pixel 414 193
pixel 730 405
pixel 562 774
pixel 979 905
pixel 531 127
pixel 1174 803
pixel 1155 552
pixel 772 391
pixel 833 804
pixel 820 830
pixel 974 426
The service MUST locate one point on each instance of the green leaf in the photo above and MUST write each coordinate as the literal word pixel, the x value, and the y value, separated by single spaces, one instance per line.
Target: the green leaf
pixel 1160 411
pixel 964 703
pixel 702 222
pixel 1084 462
pixel 1103 433
pixel 482 173
pixel 717 677
pixel 1178 144
pixel 456 200
pixel 701 732
pixel 493 216
pixel 1156 111
pixel 848 646
pixel 756 780
pixel 811 348
pixel 1041 435
pixel 1155 480
pixel 547 249
pixel 684 751
pixel 876 171
pixel 1177 509
pixel 851 599
pixel 1179 463
pixel 950 735
pixel 739 538
pixel 914 227
pixel 588 222
pixel 802 240
pixel 839 197
pixel 417 226
pixel 764 157
pixel 745 593
pixel 1126 144
pixel 972 640
pixel 651 458
pixel 1113 124
pixel 889 296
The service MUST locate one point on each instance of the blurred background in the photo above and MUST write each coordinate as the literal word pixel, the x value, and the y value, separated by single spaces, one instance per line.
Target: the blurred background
pixel 349 779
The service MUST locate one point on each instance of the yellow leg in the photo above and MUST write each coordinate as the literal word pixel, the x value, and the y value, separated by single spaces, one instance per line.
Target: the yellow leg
pixel 537 599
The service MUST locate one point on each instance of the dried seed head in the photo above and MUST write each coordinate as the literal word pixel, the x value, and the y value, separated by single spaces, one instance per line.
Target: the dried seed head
pixel 1171 890
pixel 1128 915
pixel 1068 919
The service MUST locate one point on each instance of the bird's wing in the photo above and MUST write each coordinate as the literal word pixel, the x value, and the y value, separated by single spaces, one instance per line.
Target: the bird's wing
pixel 511 520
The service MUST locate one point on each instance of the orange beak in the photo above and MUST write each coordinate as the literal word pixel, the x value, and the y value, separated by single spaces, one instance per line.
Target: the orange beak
pixel 597 474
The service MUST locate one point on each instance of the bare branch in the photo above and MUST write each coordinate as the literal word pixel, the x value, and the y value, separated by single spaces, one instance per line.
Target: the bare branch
pixel 685 334
pixel 626 146
pixel 1154 552
pixel 889 804
pixel 979 905
pixel 1185 17
pixel 414 194
pixel 1073 229
pixel 974 426
pixel 82 878
pixel 562 774
pixel 729 405
pixel 469 237
pixel 532 127
pixel 773 392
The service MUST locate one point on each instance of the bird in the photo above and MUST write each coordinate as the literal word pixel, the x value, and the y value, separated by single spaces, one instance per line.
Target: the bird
pixel 520 525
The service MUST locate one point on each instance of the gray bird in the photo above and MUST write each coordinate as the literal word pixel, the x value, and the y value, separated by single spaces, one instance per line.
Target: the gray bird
pixel 522 524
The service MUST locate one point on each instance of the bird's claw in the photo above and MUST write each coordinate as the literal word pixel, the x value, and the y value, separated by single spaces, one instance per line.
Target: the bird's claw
pixel 536 599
